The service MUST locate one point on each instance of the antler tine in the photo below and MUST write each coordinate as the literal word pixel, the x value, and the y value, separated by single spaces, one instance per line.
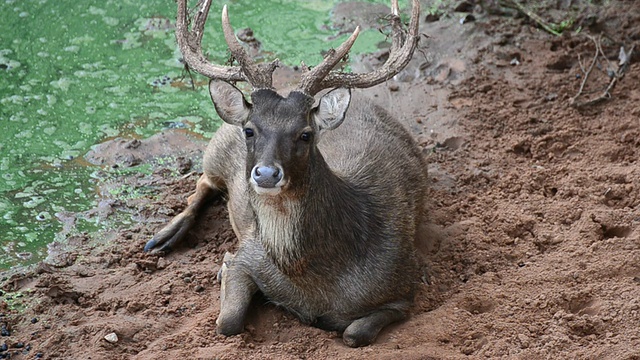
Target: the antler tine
pixel 260 76
pixel 400 53
pixel 397 35
pixel 310 78
pixel 190 44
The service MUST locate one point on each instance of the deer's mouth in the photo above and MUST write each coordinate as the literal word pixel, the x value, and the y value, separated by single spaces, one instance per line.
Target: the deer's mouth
pixel 267 191
pixel 262 189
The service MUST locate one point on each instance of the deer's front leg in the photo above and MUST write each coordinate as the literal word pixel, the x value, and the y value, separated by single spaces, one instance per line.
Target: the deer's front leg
pixel 236 291
pixel 183 222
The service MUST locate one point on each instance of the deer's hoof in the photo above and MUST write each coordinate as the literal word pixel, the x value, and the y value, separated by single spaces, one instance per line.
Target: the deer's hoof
pixel 150 245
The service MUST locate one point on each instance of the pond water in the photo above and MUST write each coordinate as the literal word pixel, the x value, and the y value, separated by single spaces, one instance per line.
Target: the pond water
pixel 77 73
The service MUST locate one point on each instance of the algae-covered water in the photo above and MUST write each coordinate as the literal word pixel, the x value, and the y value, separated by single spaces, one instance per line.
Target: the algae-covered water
pixel 76 73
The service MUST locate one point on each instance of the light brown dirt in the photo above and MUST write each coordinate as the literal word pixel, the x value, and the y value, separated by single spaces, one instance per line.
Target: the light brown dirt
pixel 532 244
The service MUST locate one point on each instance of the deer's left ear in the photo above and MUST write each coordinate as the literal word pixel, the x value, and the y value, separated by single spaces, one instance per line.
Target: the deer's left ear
pixel 333 106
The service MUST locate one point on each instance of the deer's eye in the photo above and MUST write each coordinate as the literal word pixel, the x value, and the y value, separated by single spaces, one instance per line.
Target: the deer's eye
pixel 248 132
pixel 305 136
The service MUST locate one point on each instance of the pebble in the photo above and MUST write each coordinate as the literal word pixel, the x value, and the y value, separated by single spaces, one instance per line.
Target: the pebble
pixel 166 289
pixel 467 18
pixel 4 331
pixel 432 17
pixel 111 337
pixel 133 144
pixel 162 263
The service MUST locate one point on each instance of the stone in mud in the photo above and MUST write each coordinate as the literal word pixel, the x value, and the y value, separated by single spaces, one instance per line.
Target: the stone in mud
pixel 111 337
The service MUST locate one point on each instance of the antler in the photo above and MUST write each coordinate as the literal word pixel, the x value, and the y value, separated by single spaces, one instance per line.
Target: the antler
pixel 400 53
pixel 190 43
pixel 313 80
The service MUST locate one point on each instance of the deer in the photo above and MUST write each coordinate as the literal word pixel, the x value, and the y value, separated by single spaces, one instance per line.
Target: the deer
pixel 324 195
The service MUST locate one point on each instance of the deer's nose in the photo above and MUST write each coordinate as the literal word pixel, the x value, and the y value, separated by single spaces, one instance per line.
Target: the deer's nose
pixel 266 176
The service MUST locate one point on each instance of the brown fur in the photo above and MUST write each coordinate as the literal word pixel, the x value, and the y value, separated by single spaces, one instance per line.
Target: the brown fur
pixel 335 245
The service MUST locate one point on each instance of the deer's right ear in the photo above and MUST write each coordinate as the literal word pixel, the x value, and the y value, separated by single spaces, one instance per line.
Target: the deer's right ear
pixel 229 101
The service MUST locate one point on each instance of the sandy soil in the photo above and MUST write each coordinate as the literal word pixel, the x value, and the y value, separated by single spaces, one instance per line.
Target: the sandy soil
pixel 532 244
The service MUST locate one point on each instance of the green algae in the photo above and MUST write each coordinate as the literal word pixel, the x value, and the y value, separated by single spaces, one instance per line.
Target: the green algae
pixel 73 74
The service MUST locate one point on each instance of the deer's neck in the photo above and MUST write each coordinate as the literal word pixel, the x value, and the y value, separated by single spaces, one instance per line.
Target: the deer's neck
pixel 294 225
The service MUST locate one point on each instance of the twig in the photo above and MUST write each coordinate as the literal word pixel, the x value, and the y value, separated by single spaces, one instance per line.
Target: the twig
pixel 187 175
pixel 515 5
pixel 615 75
pixel 585 75
pixel 580 63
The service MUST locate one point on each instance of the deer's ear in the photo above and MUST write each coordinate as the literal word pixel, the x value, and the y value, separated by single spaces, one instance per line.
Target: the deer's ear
pixel 229 101
pixel 329 114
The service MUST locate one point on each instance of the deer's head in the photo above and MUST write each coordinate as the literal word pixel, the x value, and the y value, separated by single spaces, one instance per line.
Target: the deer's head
pixel 282 132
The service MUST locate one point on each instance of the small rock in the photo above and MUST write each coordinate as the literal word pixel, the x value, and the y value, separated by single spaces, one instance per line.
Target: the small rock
pixel 394 87
pixel 166 289
pixel 485 88
pixel 453 143
pixel 184 165
pixel 467 18
pixel 128 160
pixel 432 18
pixel 162 263
pixel 246 36
pixel 133 144
pixel 199 288
pixel 464 6
pixel 134 306
pixel 111 337
pixel 133 268
pixel 4 331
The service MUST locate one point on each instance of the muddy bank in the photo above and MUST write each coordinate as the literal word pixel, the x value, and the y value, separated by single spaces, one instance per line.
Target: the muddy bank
pixel 532 243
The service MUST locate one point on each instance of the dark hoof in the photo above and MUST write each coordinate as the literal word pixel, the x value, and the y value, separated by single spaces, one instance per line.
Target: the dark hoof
pixel 354 340
pixel 150 245
pixel 229 328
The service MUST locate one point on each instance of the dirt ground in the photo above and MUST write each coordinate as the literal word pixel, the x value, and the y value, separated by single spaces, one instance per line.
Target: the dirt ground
pixel 532 242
